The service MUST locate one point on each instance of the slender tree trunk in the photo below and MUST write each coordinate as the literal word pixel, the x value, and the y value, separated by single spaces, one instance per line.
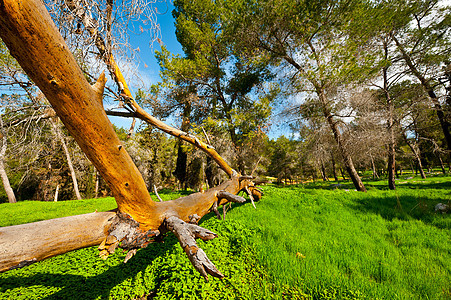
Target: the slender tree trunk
pixel 6 185
pixel 323 172
pixel 55 199
pixel 5 180
pixel 182 156
pixel 416 154
pixel 373 166
pixel 442 166
pixel 209 174
pixel 60 136
pixel 347 160
pixel 97 179
pixel 391 134
pixel 413 168
pixel 342 173
pixel 334 169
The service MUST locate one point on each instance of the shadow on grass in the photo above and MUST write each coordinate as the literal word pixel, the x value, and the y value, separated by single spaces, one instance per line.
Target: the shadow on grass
pixel 91 287
pixel 436 182
pixel 412 200
pixel 96 286
pixel 402 207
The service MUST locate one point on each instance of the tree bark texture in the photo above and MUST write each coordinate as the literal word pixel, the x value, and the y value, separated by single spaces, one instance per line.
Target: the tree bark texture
pixel 416 154
pixel 390 128
pixel 34 40
pixel 19 247
pixel 6 185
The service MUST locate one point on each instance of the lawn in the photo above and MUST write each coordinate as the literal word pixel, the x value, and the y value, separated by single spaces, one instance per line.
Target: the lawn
pixel 313 241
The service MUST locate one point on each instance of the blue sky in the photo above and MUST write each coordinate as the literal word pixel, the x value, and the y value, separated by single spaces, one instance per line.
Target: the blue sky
pixel 148 67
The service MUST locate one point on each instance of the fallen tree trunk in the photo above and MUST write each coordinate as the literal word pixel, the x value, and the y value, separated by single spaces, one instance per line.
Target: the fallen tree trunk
pixel 33 39
pixel 19 246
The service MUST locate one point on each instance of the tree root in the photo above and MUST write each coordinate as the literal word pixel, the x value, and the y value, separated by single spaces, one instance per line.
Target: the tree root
pixel 186 233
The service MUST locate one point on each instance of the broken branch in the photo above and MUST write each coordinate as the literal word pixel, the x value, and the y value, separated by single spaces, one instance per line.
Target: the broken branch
pixel 186 234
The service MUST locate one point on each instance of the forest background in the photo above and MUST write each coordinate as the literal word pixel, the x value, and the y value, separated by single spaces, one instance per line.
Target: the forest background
pixel 358 88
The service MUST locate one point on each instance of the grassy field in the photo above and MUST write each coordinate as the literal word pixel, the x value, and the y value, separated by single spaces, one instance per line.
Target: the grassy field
pixel 313 241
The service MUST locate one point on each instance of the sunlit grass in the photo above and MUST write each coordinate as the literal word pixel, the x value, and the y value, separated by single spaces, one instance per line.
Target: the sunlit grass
pixel 33 211
pixel 347 244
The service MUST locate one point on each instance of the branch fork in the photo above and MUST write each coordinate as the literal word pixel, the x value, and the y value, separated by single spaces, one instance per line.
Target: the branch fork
pixel 125 233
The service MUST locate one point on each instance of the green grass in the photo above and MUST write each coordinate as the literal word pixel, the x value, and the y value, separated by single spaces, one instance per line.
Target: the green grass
pixel 34 211
pixel 313 241
pixel 356 245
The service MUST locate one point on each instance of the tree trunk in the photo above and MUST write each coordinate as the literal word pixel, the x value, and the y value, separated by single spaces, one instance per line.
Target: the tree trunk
pixel 60 136
pixel 182 156
pixel 20 247
pixel 97 179
pixel 55 199
pixel 6 185
pixel 347 160
pixel 391 134
pixel 209 174
pixel 442 166
pixel 342 173
pixel 5 180
pixel 52 67
pixel 373 166
pixel 416 154
pixel 323 172
pixel 444 123
pixel 334 169
pixel 33 39
pixel 412 168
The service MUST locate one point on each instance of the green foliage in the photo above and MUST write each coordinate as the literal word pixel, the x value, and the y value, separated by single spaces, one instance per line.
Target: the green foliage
pixel 226 86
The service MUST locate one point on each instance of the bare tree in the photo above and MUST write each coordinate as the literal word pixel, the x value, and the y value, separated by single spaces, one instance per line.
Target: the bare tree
pixel 6 185
pixel 60 136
